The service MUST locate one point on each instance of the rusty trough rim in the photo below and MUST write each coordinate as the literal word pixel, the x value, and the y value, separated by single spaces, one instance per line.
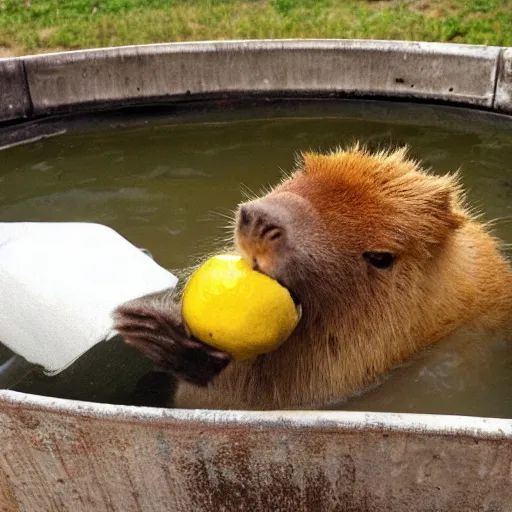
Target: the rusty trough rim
pixel 41 86
pixel 320 421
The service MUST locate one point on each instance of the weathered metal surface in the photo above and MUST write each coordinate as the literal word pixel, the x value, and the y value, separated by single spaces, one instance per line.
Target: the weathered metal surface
pixel 503 100
pixel 62 455
pixel 455 73
pixel 14 98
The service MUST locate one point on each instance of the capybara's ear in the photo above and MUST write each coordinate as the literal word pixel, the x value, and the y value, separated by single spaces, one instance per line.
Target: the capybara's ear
pixel 445 206
pixel 440 208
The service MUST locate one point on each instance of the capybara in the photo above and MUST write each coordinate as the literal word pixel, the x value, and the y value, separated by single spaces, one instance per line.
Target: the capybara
pixel 385 259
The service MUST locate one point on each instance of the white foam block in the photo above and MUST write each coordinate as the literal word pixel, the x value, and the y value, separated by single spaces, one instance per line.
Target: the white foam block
pixel 59 284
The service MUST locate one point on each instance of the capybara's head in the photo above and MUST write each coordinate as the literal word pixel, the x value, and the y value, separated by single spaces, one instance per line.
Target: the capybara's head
pixel 352 227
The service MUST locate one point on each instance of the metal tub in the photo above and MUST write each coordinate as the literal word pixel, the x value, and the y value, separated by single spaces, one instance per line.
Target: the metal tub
pixel 60 455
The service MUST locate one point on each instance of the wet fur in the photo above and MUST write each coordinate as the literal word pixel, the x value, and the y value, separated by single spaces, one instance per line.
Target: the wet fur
pixel 359 321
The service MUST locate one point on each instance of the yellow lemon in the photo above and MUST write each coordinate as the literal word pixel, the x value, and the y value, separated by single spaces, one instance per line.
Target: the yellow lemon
pixel 230 306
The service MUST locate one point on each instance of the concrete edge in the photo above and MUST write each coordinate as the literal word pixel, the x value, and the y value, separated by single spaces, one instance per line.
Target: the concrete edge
pixel 14 94
pixel 438 72
pixel 503 93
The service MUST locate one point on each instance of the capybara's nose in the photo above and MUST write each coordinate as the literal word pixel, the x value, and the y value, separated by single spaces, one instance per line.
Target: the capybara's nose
pixel 260 222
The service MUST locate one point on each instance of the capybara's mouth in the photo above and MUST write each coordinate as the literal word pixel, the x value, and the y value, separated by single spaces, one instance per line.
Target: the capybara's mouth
pixel 296 301
pixel 294 297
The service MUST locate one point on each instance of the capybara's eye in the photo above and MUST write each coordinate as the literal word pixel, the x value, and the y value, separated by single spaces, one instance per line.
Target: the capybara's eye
pixel 379 259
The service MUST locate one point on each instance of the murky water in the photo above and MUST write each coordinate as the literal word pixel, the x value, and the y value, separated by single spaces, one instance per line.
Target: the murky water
pixel 168 183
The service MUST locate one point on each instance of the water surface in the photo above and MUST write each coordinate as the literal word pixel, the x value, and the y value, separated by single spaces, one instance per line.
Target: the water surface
pixel 168 183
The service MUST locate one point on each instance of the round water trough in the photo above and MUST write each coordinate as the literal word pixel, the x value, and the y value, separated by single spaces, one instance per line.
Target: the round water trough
pixel 70 455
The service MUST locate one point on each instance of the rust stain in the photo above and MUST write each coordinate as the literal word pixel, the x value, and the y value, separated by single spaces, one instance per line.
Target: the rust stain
pixel 69 462
pixel 220 480
pixel 28 420
pixel 242 474
pixel 8 501
pixel 70 473
pixel 135 494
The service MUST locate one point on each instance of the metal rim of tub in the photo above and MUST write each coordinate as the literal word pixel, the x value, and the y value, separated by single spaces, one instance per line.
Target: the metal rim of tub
pixel 38 87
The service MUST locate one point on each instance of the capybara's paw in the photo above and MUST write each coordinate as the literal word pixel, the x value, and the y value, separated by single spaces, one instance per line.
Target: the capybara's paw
pixel 153 325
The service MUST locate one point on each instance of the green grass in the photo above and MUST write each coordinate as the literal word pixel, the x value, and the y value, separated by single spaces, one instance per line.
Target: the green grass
pixel 34 26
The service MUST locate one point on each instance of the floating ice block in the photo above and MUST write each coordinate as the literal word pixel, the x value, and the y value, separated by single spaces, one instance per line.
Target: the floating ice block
pixel 60 282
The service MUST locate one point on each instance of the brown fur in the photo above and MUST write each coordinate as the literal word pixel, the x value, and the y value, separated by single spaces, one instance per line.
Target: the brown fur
pixel 359 321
